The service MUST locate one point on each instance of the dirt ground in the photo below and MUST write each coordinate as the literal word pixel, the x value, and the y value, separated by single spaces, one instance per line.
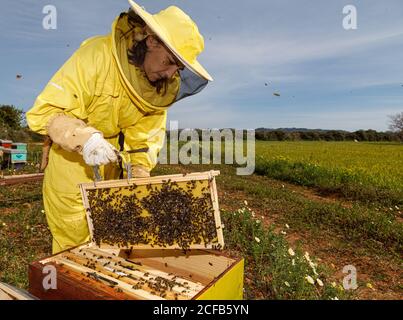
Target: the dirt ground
pixel 379 276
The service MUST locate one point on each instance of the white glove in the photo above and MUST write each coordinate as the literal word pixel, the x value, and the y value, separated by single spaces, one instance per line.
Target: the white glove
pixel 97 151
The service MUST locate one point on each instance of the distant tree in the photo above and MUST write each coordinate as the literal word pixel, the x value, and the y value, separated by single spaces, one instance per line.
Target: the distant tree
pixel 371 135
pixel 361 135
pixel 280 135
pixel 11 116
pixel 396 122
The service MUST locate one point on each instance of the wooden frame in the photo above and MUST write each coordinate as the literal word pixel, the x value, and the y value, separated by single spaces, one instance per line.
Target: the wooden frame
pixel 195 176
pixel 197 274
pixel 9 293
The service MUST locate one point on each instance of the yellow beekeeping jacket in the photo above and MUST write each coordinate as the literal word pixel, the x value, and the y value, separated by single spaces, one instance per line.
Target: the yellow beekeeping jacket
pixel 99 86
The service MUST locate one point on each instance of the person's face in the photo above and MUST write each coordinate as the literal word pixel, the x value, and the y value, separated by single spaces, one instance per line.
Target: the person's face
pixel 159 63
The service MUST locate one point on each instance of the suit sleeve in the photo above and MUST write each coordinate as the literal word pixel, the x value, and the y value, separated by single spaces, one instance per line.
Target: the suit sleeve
pixel 69 91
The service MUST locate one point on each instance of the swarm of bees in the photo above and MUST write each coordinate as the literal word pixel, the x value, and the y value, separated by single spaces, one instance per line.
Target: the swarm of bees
pixel 116 217
pixel 167 214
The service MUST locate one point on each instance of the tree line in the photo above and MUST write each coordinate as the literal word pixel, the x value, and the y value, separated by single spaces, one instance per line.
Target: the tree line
pixel 13 126
pixel 327 135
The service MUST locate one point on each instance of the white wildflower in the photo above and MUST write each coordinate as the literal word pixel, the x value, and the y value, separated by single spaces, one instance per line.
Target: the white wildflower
pixel 293 262
pixel 287 284
pixel 43 211
pixel 291 252
pixel 310 279
pixel 257 239
pixel 307 257
pixel 335 298
pixel 287 226
pixel 283 232
pixel 245 202
pixel 319 282
pixel 313 266
pixel 257 221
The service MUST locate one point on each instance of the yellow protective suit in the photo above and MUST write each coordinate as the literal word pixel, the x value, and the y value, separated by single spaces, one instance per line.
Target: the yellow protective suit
pixel 99 86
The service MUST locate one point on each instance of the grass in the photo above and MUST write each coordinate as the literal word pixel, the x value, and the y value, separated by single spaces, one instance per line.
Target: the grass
pixel 375 227
pixel 24 235
pixel 274 270
pixel 367 232
pixel 364 171
pixel 348 232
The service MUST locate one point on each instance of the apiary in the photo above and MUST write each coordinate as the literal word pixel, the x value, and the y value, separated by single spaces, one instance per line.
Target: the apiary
pixel 150 239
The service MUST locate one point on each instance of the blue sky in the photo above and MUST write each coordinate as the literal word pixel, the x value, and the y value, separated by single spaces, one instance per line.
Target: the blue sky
pixel 327 77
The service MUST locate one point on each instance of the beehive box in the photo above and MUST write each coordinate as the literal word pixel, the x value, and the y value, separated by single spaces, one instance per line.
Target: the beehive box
pixel 19 146
pixel 142 266
pixel 14 155
pixel 5 143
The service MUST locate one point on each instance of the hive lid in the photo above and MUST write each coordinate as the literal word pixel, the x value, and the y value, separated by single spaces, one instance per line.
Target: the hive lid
pixel 173 211
pixel 8 150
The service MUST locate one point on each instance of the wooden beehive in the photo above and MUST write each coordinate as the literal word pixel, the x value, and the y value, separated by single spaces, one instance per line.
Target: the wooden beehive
pixel 88 272
pixel 144 270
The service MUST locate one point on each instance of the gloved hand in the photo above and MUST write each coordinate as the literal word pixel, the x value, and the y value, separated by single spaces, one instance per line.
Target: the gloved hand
pixel 97 151
pixel 75 135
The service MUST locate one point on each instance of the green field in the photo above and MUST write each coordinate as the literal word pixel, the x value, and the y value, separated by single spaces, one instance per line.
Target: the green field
pixel 370 172
pixel 311 209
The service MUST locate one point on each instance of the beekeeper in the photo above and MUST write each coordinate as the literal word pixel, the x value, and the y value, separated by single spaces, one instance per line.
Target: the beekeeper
pixel 113 94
